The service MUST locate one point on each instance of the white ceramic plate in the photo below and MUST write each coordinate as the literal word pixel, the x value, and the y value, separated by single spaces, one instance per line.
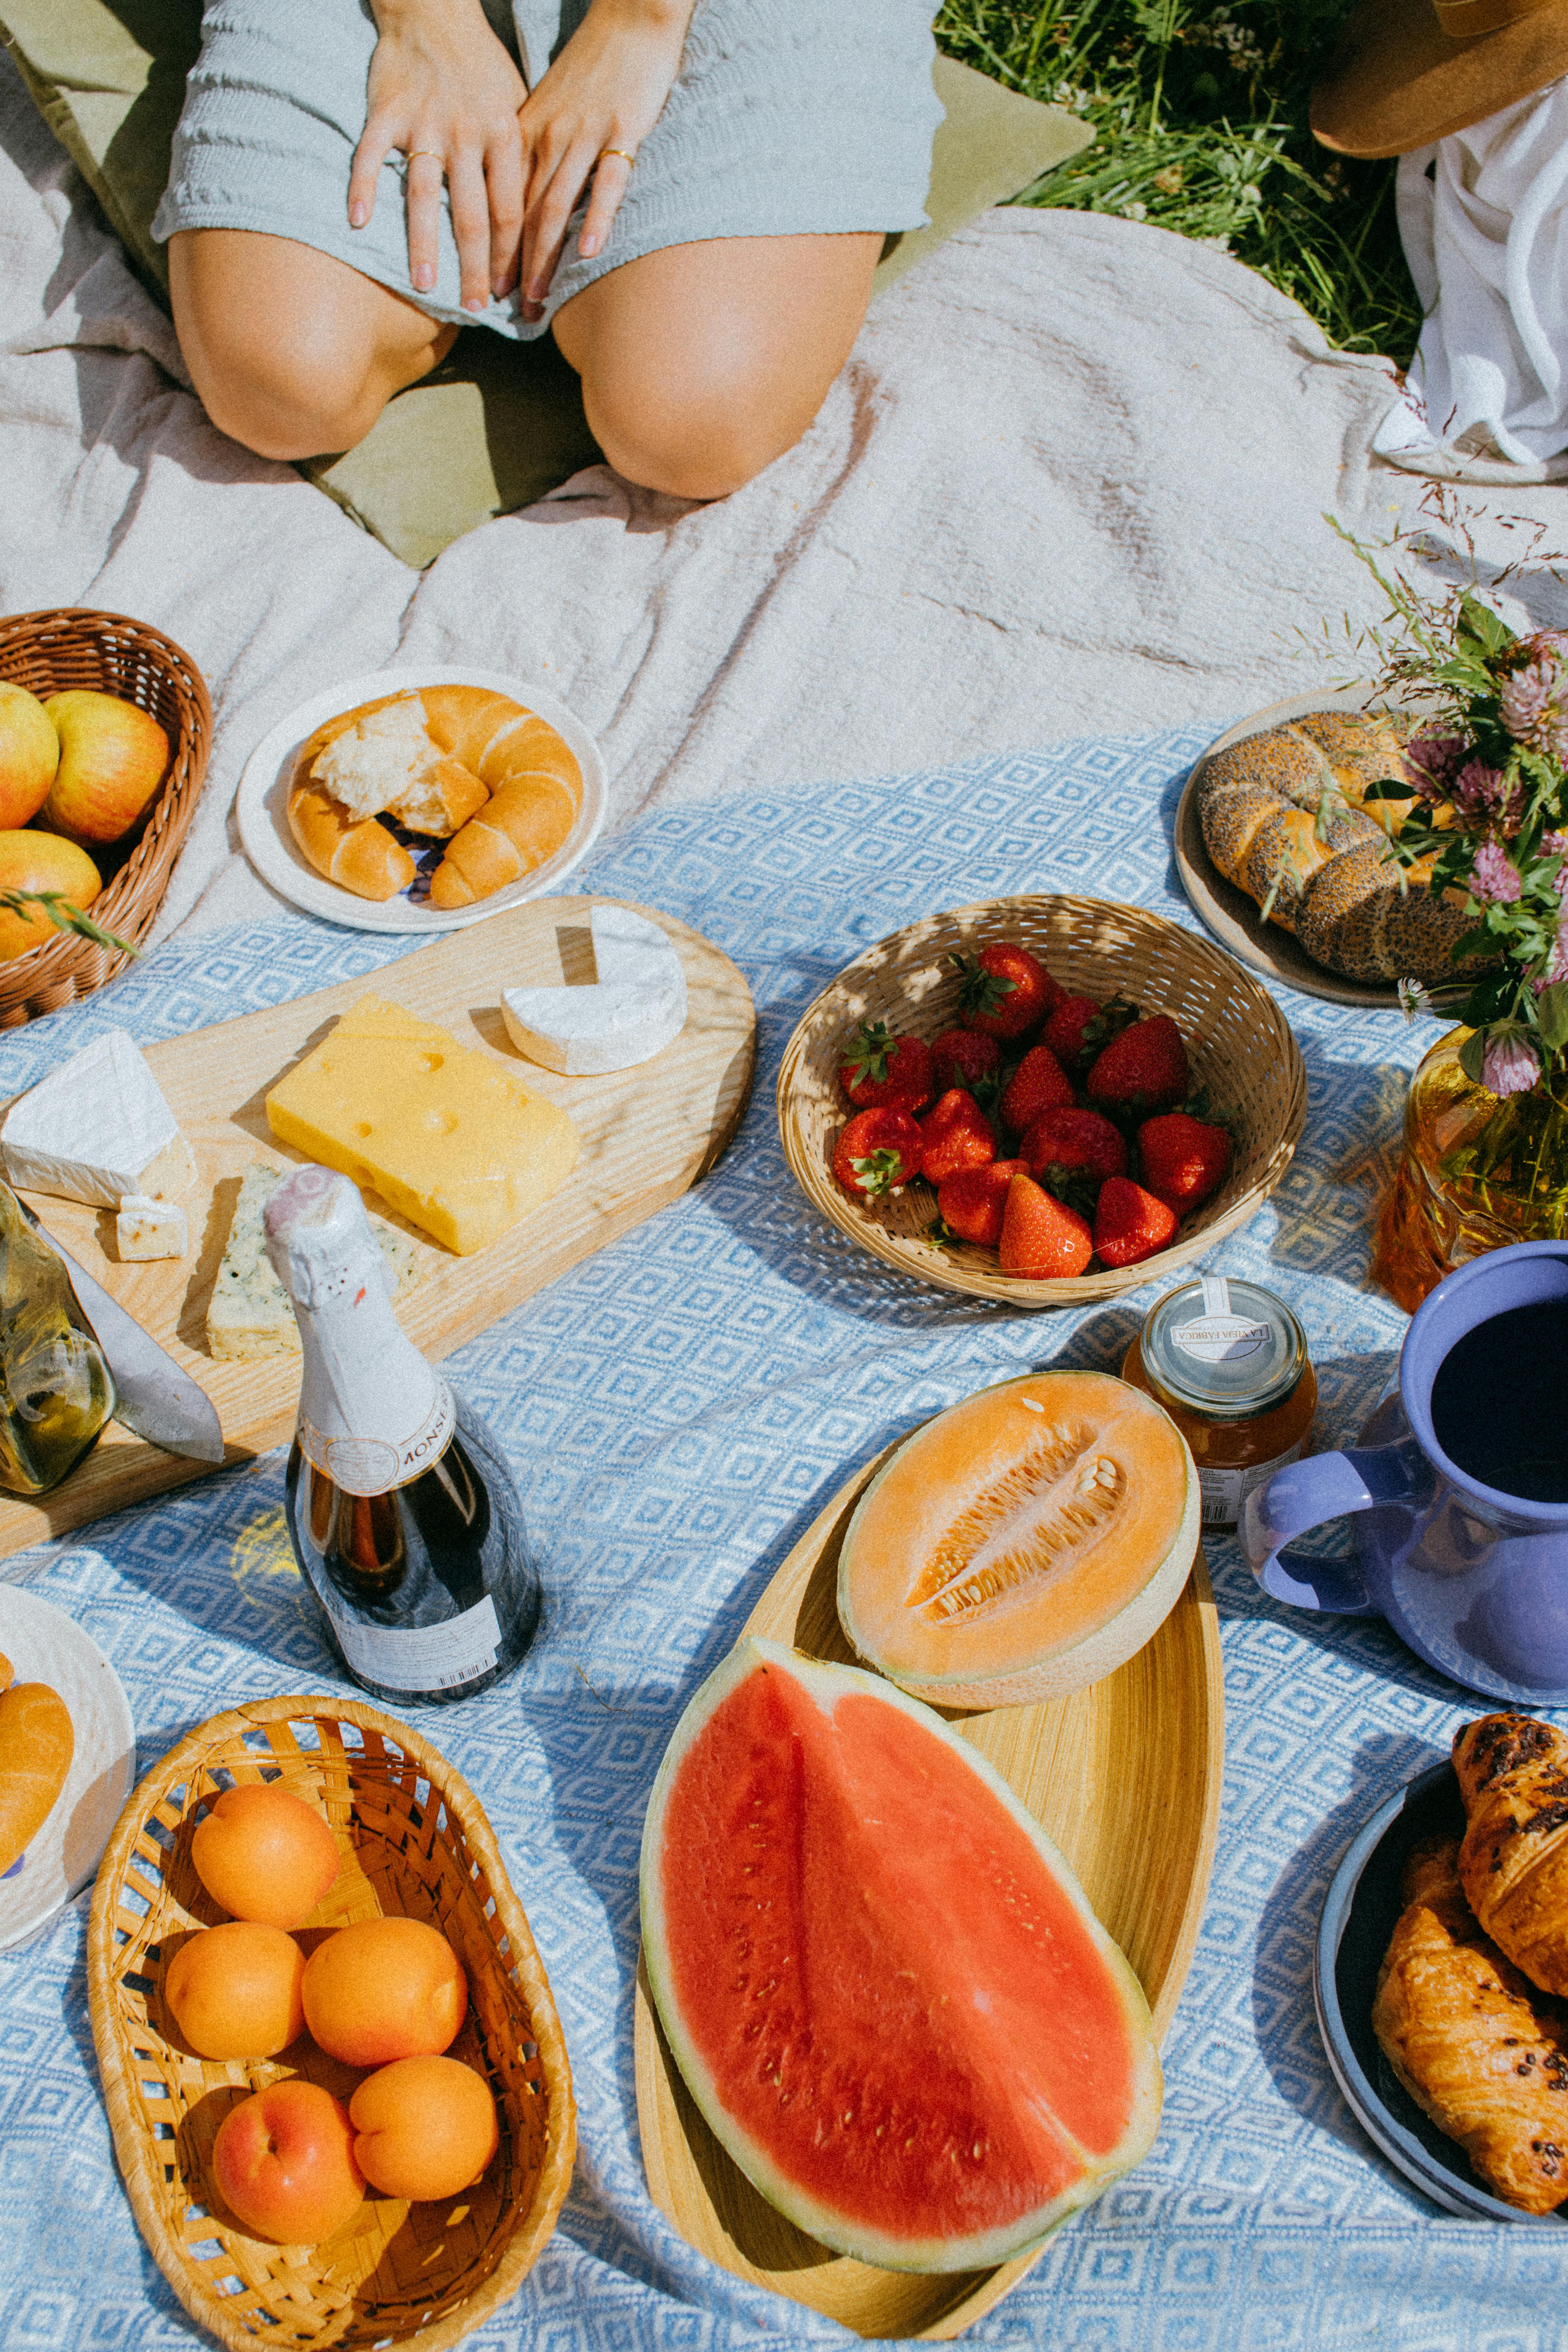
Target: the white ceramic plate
pixel 45 1645
pixel 263 818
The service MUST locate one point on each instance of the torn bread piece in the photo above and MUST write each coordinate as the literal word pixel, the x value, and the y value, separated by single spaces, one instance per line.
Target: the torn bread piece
pixel 443 795
pixel 249 1314
pixel 374 761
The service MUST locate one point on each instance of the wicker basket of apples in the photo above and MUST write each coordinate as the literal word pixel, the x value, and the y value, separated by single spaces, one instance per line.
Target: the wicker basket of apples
pixel 1041 1100
pixel 105 726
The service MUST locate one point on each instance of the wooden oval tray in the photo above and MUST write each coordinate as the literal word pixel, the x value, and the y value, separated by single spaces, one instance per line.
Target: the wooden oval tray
pixel 1126 1777
pixel 1236 919
pixel 1238 1042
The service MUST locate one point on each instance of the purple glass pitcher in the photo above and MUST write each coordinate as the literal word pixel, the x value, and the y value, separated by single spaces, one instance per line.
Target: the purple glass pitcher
pixel 1460 1484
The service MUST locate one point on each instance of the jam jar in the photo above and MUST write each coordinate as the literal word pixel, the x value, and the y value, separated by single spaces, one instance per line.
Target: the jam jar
pixel 1228 1363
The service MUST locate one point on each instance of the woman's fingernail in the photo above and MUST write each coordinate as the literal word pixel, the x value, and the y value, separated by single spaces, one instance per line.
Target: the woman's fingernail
pixel 589 246
pixel 425 278
pixel 356 215
pixel 475 302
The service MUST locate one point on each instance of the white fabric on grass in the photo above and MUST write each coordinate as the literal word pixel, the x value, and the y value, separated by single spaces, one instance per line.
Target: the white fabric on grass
pixel 1483 215
pixel 1073 480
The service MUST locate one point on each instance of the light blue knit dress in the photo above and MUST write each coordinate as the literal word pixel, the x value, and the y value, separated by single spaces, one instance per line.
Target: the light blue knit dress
pixel 790 117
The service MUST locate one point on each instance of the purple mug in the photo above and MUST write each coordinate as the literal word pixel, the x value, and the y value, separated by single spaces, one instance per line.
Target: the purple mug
pixel 1473 1579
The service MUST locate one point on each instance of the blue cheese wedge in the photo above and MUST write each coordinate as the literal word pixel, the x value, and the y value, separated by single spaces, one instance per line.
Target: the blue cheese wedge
pixel 249 1313
pixel 97 1130
pixel 635 1008
pixel 149 1229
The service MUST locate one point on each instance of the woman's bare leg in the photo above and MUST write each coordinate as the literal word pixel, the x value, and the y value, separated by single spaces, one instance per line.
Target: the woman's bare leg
pixel 701 364
pixel 291 351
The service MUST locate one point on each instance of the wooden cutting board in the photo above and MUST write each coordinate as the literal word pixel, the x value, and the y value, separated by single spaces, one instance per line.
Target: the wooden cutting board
pixel 648 1135
pixel 1126 1777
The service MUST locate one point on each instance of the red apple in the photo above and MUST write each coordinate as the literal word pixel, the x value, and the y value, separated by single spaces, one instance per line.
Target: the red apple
pixel 284 2163
pixel 29 754
pixel 41 861
pixel 113 757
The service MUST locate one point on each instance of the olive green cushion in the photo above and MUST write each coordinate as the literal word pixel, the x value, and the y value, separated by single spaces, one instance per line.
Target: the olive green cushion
pixel 498 423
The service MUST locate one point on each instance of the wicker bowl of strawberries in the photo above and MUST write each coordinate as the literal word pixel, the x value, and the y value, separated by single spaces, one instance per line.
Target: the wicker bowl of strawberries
pixel 1042 1100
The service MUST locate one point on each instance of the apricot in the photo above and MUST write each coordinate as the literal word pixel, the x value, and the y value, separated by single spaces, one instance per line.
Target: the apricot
pixel 263 1854
pixel 284 2163
pixel 235 1990
pixel 384 1989
pixel 426 2128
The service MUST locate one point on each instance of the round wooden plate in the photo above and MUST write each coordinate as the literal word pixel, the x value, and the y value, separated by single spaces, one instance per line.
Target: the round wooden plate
pixel 1230 914
pixel 1126 1777
pixel 1238 1044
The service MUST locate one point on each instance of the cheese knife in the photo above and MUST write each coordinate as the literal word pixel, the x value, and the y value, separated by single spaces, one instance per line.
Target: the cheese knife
pixel 154 1399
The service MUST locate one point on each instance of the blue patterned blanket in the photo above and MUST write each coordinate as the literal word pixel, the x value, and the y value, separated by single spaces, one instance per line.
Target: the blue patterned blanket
pixel 676 1410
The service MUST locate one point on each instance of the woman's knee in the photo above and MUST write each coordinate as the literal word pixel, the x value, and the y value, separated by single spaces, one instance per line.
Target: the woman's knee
pixel 283 350
pixel 701 364
pixel 693 435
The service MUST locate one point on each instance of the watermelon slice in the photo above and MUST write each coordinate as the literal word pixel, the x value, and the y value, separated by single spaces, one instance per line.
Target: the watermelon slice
pixel 882 1982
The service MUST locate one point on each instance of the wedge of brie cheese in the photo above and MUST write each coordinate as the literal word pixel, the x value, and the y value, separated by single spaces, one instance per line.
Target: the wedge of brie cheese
pixel 97 1130
pixel 635 1008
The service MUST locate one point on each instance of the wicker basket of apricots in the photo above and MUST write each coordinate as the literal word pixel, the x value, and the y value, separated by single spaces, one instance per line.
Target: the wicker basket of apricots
pixel 1046 1100
pixel 337 2083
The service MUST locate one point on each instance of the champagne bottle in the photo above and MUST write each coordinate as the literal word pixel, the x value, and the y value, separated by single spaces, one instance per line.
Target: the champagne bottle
pixel 403 1515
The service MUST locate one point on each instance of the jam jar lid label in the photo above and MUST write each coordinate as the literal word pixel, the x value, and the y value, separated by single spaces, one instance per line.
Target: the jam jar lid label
pixel 1226 1347
pixel 1218 1336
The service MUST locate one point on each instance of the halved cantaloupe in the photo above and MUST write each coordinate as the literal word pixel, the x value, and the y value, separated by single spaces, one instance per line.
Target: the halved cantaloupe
pixel 886 1990
pixel 1023 1544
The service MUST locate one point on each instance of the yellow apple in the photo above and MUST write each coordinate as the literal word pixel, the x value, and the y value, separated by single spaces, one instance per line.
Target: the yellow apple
pixel 113 757
pixel 29 754
pixel 41 861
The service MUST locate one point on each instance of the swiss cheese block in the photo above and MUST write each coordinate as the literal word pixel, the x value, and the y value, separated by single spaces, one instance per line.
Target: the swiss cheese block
pixel 446 1134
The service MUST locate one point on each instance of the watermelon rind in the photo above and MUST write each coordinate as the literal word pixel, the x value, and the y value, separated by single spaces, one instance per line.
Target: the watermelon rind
pixel 832 2226
pixel 1064 1671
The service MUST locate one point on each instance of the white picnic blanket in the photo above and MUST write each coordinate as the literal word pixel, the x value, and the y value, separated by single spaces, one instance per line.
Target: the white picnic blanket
pixel 1074 479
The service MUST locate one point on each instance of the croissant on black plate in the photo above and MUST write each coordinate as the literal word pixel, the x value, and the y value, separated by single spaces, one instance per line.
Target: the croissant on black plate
pixel 1476 2047
pixel 1513 1777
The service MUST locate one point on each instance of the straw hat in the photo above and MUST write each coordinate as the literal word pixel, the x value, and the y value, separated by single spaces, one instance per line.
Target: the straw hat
pixel 1411 71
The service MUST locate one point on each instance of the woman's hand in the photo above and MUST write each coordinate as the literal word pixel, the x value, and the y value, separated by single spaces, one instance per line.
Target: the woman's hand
pixel 444 90
pixel 605 89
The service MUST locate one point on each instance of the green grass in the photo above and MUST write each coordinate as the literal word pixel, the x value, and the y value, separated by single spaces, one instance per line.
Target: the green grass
pixel 1200 120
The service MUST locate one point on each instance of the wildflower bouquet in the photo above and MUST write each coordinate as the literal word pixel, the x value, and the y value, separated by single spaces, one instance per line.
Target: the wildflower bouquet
pixel 1489 762
pixel 1487 758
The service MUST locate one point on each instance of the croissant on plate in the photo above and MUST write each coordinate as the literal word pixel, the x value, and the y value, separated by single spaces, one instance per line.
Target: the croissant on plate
pixel 1513 1777
pixel 1476 2047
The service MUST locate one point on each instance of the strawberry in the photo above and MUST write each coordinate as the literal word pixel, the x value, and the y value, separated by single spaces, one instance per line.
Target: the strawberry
pixel 1038 1084
pixel 1184 1159
pixel 1143 1069
pixel 1129 1224
pixel 877 1151
pixel 880 1068
pixel 962 1058
pixel 1042 1239
pixel 954 1133
pixel 1006 992
pixel 1079 1027
pixel 972 1203
pixel 1066 1140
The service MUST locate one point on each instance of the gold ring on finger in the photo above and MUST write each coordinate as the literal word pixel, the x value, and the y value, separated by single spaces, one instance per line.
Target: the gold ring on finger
pixel 435 152
pixel 627 155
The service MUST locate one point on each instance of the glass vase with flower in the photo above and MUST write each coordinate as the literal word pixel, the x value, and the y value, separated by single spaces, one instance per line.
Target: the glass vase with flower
pixel 1485 1158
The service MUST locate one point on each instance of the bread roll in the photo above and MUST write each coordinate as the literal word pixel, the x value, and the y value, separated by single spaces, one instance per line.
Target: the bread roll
pixel 37 1744
pixel 536 793
pixel 1285 817
pixel 1512 1771
pixel 357 852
